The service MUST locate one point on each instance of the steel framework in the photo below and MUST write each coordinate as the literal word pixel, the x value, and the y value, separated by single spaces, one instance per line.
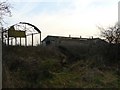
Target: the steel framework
pixel 20 30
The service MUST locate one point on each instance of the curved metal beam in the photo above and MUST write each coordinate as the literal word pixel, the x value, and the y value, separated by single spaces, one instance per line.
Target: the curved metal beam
pixel 32 26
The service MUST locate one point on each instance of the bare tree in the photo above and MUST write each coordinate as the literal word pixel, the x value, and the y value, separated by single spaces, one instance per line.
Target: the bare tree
pixel 111 34
pixel 4 10
pixel 117 33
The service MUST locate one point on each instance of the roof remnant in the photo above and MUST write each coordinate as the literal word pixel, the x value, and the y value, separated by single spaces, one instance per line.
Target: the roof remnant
pixel 56 40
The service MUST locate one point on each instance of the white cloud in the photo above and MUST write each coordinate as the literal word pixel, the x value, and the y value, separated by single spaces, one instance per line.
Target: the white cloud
pixel 80 19
pixel 39 1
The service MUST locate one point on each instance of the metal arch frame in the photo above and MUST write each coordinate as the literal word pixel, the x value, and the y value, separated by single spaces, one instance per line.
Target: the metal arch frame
pixel 32 26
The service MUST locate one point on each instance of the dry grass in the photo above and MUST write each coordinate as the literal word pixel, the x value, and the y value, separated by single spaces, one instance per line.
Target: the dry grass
pixel 36 67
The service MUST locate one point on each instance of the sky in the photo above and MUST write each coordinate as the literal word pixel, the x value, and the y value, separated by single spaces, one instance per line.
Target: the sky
pixel 65 17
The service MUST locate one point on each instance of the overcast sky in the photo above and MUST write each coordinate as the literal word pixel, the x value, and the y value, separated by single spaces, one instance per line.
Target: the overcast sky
pixel 65 17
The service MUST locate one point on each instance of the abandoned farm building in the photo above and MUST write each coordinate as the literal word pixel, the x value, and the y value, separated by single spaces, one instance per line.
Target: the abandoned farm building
pixel 59 40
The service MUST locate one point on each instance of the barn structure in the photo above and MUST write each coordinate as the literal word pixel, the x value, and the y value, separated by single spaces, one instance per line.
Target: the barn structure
pixel 60 40
pixel 20 32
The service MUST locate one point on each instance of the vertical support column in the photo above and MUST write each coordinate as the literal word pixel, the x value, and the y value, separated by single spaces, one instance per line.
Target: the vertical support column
pixel 25 40
pixel 5 42
pixel 20 41
pixel 25 36
pixel 8 39
pixel 32 39
pixel 1 61
pixel 15 41
pixel 40 38
pixel 2 35
pixel 11 41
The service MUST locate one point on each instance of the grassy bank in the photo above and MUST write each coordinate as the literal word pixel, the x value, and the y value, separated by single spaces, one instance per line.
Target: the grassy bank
pixel 87 66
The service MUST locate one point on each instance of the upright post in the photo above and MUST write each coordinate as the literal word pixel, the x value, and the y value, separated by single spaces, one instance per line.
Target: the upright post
pixel 40 38
pixel 15 41
pixel 2 35
pixel 5 42
pixel 11 41
pixel 25 36
pixel 25 40
pixel 32 39
pixel 20 41
pixel 8 39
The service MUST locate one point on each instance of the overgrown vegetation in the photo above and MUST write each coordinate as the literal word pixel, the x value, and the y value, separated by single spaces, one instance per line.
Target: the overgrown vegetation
pixel 84 66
